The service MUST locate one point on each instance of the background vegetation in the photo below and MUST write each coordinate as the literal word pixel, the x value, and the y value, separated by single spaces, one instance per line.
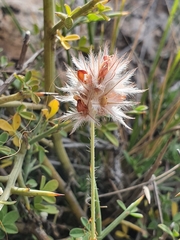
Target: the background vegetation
pixel 40 157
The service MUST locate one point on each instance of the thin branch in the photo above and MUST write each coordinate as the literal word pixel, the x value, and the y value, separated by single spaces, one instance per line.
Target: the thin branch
pixel 151 171
pixel 28 105
pixel 32 228
pixel 161 178
pixel 23 51
pixel 157 198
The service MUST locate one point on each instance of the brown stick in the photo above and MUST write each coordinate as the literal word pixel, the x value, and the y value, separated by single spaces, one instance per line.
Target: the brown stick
pixel 23 51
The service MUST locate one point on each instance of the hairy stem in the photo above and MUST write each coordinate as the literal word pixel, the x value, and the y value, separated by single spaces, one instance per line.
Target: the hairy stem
pixel 93 183
pixel 98 213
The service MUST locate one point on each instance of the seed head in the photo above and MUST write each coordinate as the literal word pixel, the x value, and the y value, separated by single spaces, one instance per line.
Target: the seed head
pixel 99 86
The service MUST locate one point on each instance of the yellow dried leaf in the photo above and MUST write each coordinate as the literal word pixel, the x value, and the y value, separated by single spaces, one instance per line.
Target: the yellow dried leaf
pixel 4 125
pixel 133 226
pixel 16 121
pixel 174 208
pixel 16 141
pixel 120 234
pixel 125 228
pixel 6 163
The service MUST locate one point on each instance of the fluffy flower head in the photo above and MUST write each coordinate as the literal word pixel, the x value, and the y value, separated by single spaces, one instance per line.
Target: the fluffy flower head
pixel 99 86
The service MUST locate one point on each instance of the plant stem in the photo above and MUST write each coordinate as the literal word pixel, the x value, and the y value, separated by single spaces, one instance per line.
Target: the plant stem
pixel 22 184
pixel 116 28
pixel 13 97
pixel 98 213
pixel 62 154
pixel 116 222
pixel 44 134
pixel 32 192
pixel 4 179
pixel 93 182
pixel 28 105
pixel 49 49
pixel 90 30
pixel 49 72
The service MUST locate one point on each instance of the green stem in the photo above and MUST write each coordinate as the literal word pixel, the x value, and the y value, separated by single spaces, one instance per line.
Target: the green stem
pixel 116 28
pixel 22 185
pixel 116 222
pixel 32 192
pixel 27 162
pixel 89 27
pixel 50 131
pixel 18 161
pixel 49 49
pixel 28 105
pixel 49 68
pixel 62 154
pixel 93 182
pixel 4 179
pixel 13 97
